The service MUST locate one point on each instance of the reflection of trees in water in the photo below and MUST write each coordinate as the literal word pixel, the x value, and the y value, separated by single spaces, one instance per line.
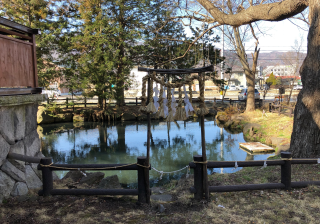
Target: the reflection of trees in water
pixel 107 145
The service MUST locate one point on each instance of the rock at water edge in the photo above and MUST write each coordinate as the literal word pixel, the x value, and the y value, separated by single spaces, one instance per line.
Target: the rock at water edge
pixel 92 178
pixel 111 182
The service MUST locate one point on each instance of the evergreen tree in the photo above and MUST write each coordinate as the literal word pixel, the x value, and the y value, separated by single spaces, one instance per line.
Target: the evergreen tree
pixel 271 80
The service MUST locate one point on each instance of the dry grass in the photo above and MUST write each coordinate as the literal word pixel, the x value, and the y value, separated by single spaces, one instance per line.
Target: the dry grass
pixel 273 125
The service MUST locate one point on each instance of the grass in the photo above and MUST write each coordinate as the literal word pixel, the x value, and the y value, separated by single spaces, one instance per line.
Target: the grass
pixel 272 125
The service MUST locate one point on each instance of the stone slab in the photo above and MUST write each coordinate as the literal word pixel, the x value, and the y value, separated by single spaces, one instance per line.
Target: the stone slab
pixel 33 181
pixel 6 185
pixel 32 143
pixel 13 171
pixel 31 113
pixel 4 149
pixel 19 189
pixel 256 147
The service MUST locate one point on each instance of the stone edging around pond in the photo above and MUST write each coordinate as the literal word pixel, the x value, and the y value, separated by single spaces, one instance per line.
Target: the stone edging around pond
pixel 251 131
pixel 44 117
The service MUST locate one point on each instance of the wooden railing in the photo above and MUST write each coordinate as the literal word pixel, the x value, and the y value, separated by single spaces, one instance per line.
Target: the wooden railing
pixel 143 191
pixel 285 163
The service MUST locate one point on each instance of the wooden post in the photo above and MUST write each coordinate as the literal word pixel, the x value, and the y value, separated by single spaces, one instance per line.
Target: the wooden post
pixel 203 143
pixel 270 108
pixel 67 101
pixel 148 146
pixel 198 180
pixel 143 178
pixel 286 170
pixel 136 101
pixel 48 100
pixel 46 176
pixel 85 101
pixel 34 60
pixel 230 101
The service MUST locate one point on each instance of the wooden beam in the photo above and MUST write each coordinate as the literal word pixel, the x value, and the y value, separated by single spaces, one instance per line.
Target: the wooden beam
pixel 10 32
pixel 18 26
pixel 177 71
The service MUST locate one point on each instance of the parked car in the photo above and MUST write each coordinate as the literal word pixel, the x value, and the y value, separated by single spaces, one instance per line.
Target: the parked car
pixel 233 87
pixel 241 87
pixel 243 94
pixel 257 87
pixel 297 87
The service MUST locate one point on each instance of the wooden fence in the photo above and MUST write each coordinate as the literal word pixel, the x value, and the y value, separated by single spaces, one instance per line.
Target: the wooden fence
pixel 85 101
pixel 46 166
pixel 285 163
pixel 143 192
pixel 276 107
pixel 18 64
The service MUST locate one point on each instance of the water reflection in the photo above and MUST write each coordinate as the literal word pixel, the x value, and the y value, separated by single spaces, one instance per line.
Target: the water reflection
pixel 172 146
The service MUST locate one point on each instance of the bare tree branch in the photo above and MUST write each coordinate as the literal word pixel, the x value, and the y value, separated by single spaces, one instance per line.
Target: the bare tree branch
pixel 268 12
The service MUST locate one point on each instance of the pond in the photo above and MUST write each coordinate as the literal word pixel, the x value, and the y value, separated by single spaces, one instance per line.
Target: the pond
pixel 172 146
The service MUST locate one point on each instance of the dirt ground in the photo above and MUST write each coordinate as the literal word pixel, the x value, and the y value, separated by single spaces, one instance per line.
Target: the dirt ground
pixel 265 206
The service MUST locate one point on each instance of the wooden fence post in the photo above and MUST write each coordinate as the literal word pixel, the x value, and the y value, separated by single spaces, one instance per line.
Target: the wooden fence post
pixel 198 177
pixel 270 108
pixel 230 101
pixel 48 100
pixel 143 177
pixel 85 101
pixel 136 101
pixel 46 176
pixel 67 101
pixel 286 170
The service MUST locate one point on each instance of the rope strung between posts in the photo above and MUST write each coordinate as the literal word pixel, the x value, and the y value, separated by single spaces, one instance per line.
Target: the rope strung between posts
pixel 100 168
pixel 162 172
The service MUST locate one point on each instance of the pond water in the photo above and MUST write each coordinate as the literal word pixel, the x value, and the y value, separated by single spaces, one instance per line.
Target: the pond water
pixel 172 146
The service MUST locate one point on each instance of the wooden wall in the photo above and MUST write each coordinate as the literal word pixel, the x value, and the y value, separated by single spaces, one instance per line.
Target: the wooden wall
pixel 16 63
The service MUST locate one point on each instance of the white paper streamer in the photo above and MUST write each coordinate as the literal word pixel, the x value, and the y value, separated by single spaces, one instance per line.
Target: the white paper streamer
pixel 164 102
pixel 188 106
pixel 156 98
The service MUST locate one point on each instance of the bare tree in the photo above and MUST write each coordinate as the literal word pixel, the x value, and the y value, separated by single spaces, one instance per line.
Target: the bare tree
pixel 305 138
pixel 236 37
pixel 294 60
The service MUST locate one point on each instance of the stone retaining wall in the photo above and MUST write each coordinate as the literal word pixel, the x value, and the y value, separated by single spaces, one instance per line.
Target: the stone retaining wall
pixel 18 134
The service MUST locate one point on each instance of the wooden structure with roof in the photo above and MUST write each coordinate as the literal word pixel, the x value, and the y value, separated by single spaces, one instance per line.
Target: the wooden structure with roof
pixel 18 59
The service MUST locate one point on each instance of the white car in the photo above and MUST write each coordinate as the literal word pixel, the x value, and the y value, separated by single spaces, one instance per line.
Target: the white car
pixel 241 87
pixel 233 87
pixel 297 87
pixel 257 87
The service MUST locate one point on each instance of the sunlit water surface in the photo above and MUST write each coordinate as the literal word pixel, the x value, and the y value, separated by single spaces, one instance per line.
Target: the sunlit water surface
pixel 172 146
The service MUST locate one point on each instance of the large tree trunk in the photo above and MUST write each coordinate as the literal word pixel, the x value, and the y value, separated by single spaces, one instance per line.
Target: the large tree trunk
pixel 250 85
pixel 305 138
